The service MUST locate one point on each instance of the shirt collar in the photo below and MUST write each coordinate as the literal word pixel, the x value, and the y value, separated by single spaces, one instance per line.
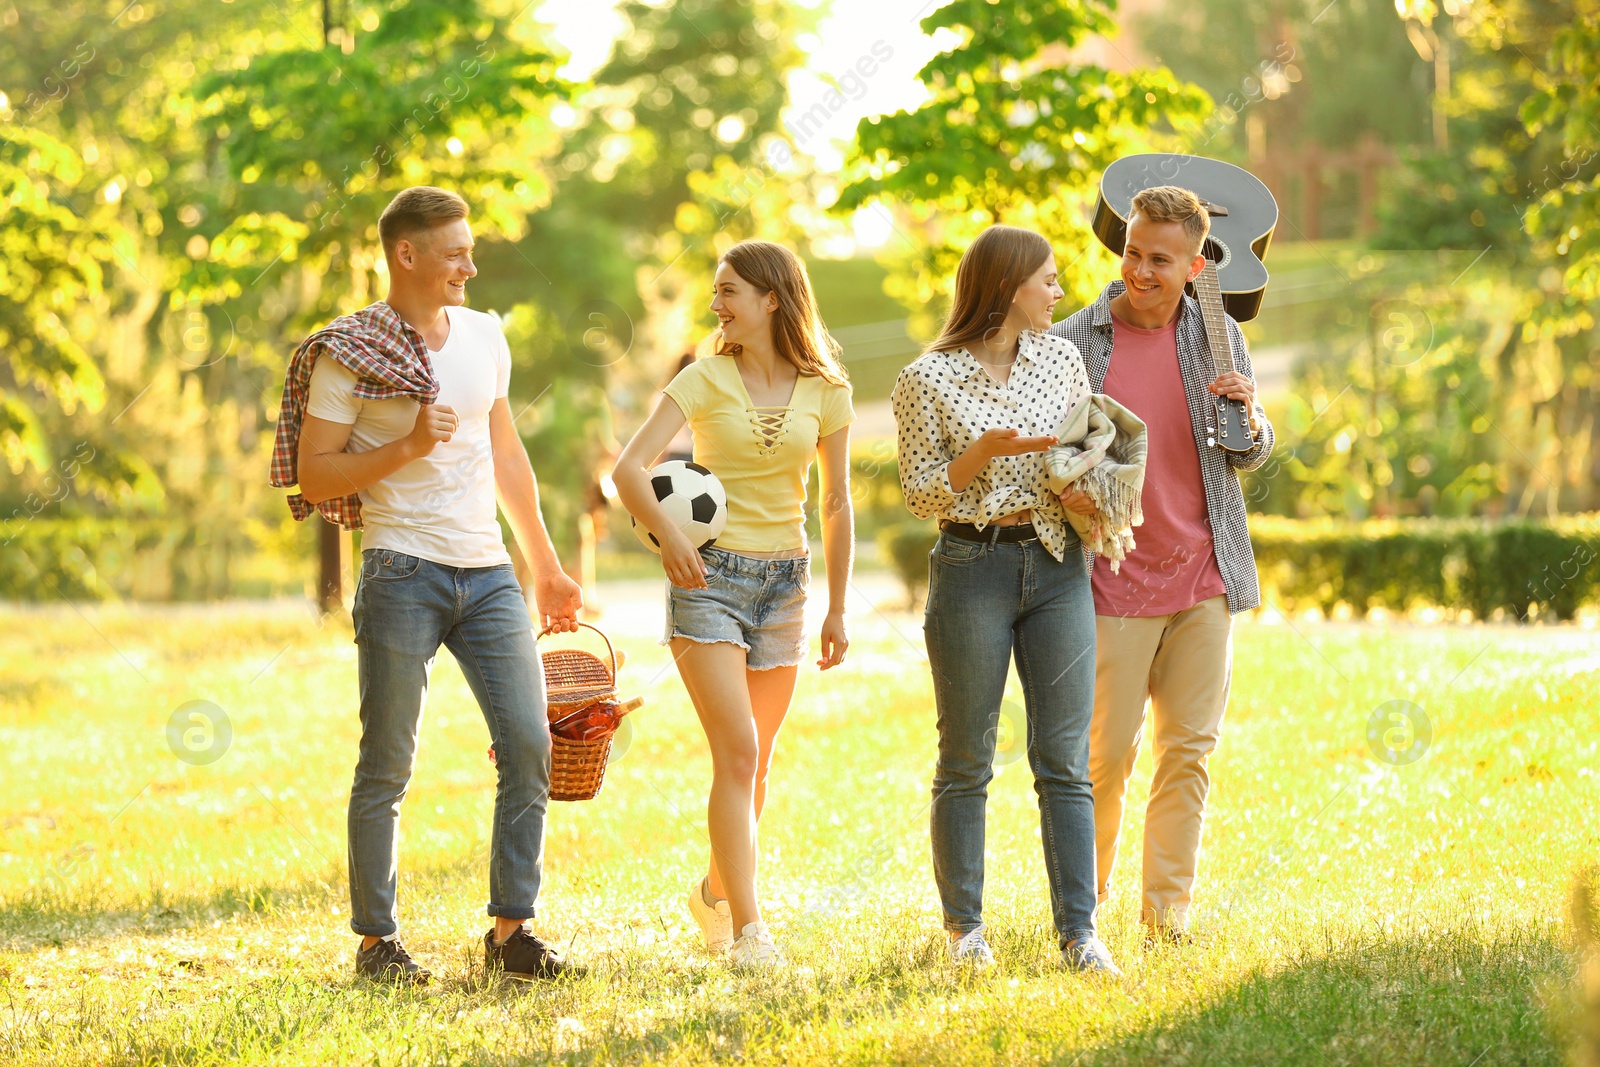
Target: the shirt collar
pixel 1100 312
pixel 966 364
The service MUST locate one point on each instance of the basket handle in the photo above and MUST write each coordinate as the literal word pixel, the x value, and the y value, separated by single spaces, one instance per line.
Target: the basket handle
pixel 610 651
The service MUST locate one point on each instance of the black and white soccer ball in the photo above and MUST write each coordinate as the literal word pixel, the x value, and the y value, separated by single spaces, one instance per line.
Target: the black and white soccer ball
pixel 692 497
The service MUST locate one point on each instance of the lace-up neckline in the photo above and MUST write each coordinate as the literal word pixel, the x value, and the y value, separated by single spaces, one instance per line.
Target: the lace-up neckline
pixel 761 447
pixel 770 422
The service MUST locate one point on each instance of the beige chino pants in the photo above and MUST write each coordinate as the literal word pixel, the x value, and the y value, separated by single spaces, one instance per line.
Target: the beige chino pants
pixel 1182 663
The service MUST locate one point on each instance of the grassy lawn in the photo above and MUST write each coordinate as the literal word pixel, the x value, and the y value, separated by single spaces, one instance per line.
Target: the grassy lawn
pixel 154 911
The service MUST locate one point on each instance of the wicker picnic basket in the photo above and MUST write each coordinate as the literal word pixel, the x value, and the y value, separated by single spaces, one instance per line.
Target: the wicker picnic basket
pixel 575 681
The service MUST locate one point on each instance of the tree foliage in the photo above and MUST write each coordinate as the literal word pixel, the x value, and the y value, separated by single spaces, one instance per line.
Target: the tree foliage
pixel 1516 184
pixel 53 266
pixel 661 168
pixel 1313 74
pixel 316 142
pixel 1013 132
pixel 1453 369
pixel 1565 106
pixel 243 204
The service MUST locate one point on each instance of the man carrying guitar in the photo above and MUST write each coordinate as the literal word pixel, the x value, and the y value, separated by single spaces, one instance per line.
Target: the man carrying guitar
pixel 1163 623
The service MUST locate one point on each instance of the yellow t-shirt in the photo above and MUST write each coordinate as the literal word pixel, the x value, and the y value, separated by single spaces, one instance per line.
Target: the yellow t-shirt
pixel 762 456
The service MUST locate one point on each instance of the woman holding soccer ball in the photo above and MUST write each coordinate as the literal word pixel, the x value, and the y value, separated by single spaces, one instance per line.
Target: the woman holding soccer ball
pixel 770 399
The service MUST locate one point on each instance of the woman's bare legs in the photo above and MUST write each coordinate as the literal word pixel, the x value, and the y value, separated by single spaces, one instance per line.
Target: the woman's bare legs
pixel 741 749
pixel 770 694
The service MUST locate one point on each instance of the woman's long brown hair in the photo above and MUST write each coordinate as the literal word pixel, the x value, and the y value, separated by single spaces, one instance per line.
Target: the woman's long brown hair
pixel 991 270
pixel 798 334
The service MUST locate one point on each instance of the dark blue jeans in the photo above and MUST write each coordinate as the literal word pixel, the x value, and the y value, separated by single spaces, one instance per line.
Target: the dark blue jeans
pixel 405 609
pixel 986 602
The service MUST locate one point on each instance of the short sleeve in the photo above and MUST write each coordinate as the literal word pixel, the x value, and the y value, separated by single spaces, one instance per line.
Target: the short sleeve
pixel 688 390
pixel 837 411
pixel 502 348
pixel 332 395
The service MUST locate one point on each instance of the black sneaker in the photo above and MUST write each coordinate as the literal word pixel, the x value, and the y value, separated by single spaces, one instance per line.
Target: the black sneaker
pixel 388 961
pixel 524 956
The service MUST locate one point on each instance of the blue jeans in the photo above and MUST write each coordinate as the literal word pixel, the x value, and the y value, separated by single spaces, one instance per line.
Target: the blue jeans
pixel 406 607
pixel 984 602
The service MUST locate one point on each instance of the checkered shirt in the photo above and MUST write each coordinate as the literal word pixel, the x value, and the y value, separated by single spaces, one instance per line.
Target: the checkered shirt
pixel 389 359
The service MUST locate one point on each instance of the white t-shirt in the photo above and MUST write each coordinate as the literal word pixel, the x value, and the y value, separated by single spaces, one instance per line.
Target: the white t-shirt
pixel 440 507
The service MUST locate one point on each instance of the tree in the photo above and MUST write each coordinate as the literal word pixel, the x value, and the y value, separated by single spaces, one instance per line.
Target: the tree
pixel 1013 133
pixel 317 142
pixel 1516 178
pixel 1565 107
pixel 662 166
pixel 1304 73
pixel 246 203
pixel 108 95
pixel 53 266
pixel 674 148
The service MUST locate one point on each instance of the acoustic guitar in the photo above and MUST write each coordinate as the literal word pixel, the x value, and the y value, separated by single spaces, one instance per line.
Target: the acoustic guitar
pixel 1234 280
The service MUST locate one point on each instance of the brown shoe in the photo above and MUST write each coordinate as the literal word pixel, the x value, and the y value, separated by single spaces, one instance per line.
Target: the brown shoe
pixel 1166 937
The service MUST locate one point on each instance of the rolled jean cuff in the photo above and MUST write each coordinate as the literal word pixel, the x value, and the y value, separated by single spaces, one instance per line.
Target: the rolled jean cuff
pixel 507 911
pixel 963 929
pixel 374 929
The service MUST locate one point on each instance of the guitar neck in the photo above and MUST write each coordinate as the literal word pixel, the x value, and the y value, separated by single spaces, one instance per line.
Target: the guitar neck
pixel 1209 293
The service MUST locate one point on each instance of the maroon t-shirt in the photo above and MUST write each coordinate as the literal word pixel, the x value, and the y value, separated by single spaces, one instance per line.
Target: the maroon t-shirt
pixel 1174 566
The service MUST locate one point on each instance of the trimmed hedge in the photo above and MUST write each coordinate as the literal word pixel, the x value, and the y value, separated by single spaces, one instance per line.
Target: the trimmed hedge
pixel 1516 567
pixel 905 547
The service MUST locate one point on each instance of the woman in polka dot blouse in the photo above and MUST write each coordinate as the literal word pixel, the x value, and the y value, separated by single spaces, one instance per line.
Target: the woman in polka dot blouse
pixel 975 414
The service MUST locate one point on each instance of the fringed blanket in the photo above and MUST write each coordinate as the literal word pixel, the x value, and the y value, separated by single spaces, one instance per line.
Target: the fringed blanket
pixel 1101 450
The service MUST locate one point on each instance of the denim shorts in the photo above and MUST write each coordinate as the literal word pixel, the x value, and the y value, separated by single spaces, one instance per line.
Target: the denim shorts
pixel 757 604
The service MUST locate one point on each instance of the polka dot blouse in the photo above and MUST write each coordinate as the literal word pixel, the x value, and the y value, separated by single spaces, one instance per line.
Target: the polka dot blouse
pixel 944 401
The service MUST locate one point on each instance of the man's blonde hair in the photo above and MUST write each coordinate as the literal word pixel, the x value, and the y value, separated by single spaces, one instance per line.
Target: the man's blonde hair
pixel 1170 203
pixel 415 211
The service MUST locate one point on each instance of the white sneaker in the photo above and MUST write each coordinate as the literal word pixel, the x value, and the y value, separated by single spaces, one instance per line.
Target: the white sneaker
pixel 754 949
pixel 972 950
pixel 716 921
pixel 1089 955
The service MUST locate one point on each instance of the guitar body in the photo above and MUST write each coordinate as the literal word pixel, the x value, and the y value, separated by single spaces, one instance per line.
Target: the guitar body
pixel 1243 216
pixel 1241 236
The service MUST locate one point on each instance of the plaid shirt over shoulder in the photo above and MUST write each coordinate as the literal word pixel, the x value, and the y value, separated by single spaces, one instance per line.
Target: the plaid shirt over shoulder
pixel 1091 330
pixel 388 358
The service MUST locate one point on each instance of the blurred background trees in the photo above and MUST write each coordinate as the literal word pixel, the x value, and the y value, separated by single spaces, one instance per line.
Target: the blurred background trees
pixel 189 188
pixel 1015 132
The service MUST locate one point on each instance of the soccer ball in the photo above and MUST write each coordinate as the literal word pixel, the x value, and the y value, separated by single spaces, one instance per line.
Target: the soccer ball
pixel 692 497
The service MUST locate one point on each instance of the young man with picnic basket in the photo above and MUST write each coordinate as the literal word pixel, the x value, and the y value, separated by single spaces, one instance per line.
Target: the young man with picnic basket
pixel 403 430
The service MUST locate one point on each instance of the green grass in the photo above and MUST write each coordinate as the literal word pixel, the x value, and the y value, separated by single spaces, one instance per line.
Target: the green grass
pixel 157 912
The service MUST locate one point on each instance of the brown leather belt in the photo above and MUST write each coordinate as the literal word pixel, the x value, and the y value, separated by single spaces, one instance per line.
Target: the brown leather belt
pixel 1017 534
